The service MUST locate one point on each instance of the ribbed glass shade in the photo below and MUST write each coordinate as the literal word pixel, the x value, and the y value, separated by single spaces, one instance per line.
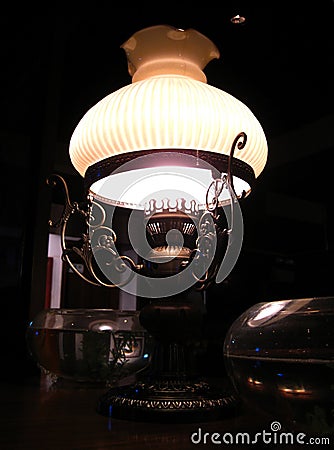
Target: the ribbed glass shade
pixel 167 112
pixel 173 110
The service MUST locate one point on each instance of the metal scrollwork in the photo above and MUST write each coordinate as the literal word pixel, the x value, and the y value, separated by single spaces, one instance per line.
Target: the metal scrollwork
pixel 213 206
pixel 114 270
pixel 99 237
pixel 69 207
pixel 226 181
pixel 205 247
pixel 240 142
pixel 217 186
pixel 168 398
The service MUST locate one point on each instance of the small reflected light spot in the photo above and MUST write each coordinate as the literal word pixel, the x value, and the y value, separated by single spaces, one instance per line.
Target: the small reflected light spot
pixel 279 374
pixel 238 19
pixel 145 355
pixel 109 421
pixel 104 327
pixel 255 382
pixel 30 324
pixel 268 312
pixel 233 341
pixel 125 320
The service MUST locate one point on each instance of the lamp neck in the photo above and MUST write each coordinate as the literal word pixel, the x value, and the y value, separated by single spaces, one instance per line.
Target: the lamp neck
pixel 165 50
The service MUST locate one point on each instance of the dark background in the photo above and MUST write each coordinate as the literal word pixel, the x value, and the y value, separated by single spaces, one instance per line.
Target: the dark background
pixel 279 63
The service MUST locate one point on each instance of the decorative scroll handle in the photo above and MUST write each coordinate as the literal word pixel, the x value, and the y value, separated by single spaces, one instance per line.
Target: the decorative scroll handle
pixel 105 242
pixel 69 209
pixel 239 141
pixel 212 205
pixel 226 180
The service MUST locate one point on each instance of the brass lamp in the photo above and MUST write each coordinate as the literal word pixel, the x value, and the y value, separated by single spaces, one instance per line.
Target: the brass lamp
pixel 178 154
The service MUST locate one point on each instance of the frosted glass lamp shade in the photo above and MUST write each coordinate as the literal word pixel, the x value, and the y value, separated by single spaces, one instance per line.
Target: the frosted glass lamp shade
pixel 168 107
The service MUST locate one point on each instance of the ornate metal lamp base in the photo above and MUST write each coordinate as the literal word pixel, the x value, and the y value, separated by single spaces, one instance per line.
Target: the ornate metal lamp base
pixel 167 401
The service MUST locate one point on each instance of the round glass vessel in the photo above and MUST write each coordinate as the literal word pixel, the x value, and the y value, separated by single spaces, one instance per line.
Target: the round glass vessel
pixel 89 345
pixel 280 358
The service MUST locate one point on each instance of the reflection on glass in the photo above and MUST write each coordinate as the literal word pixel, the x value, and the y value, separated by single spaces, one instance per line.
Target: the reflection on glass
pixel 280 358
pixel 89 345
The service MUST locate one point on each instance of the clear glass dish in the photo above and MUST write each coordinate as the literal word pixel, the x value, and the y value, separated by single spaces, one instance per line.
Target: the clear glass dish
pixel 89 345
pixel 280 358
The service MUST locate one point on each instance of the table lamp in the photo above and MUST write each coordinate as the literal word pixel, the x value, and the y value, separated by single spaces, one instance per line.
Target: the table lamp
pixel 178 154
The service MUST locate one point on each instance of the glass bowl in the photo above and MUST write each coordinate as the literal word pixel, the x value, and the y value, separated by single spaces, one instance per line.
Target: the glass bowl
pixel 280 358
pixel 89 345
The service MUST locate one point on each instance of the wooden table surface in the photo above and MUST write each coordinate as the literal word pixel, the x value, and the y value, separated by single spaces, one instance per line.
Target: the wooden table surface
pixel 35 415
